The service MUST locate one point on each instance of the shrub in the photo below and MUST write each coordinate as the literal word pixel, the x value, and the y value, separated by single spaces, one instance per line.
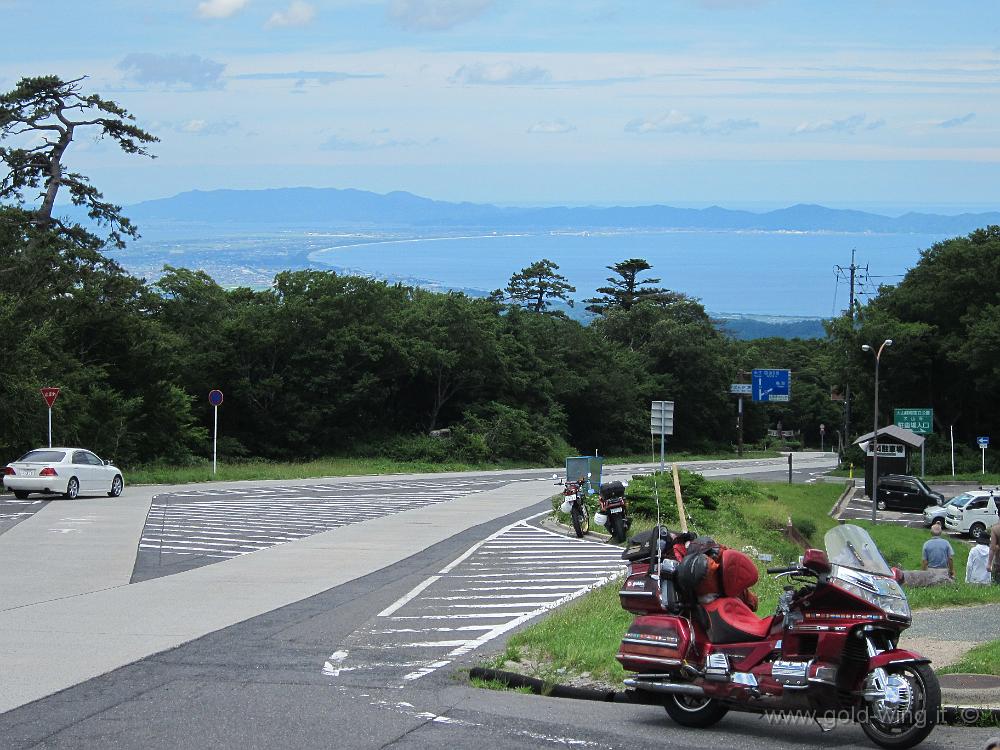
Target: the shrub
pixel 806 526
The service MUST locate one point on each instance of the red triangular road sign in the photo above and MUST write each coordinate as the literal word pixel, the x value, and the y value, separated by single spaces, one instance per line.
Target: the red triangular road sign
pixel 50 395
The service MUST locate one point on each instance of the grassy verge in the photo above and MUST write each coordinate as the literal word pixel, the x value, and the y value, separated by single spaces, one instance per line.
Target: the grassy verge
pixel 584 636
pixel 983 659
pixel 348 466
pixel 328 467
pixel 648 458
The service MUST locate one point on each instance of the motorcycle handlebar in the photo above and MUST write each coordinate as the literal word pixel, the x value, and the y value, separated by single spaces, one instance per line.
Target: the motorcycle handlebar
pixel 789 569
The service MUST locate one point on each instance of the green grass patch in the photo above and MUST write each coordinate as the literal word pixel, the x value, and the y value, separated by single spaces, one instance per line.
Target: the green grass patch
pixel 983 659
pixel 498 685
pixel 671 458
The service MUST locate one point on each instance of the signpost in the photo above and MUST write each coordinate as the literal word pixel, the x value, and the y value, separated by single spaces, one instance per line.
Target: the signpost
pixel 741 390
pixel 215 399
pixel 822 434
pixel 661 422
pixel 50 395
pixel 984 443
pixel 771 385
pixel 920 421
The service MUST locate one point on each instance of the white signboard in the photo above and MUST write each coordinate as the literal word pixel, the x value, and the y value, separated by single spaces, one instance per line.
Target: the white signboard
pixel 888 450
pixel 661 418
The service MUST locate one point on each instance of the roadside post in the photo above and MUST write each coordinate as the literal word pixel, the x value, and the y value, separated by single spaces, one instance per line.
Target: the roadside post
pixel 215 399
pixel 822 434
pixel 789 467
pixel 740 390
pixel 50 395
pixel 661 422
pixel 984 443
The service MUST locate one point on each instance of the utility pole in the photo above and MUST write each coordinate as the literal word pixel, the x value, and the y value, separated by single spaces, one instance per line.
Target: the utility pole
pixel 852 269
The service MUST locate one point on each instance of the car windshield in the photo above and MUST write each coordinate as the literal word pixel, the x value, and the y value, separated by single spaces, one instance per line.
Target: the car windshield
pixel 42 457
pixel 922 485
pixel 851 547
pixel 962 500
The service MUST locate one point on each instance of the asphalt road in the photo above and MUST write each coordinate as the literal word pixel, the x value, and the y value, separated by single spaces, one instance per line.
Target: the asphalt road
pixel 268 682
pixel 378 661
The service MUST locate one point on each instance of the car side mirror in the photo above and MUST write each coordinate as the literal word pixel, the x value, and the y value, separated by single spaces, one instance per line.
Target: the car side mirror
pixel 107 462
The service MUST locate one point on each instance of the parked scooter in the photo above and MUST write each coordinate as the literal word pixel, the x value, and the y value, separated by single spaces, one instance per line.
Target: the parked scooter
pixel 613 513
pixel 575 504
pixel 830 650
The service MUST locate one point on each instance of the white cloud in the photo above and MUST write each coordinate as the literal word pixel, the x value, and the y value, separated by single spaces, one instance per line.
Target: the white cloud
pixel 205 127
pixel 195 71
pixel 676 121
pixel 220 8
pixel 500 74
pixel 299 13
pixel 848 125
pixel 552 127
pixel 955 122
pixel 435 15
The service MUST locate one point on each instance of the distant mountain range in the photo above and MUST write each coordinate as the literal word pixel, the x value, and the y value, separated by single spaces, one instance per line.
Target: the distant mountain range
pixel 328 206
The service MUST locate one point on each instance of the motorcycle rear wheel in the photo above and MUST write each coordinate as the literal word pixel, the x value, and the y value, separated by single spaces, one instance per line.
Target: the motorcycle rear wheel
pixel 581 519
pixel 618 528
pixel 695 712
pixel 886 727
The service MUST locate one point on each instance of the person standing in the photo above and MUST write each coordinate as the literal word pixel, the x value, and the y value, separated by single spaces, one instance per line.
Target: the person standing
pixel 977 566
pixel 994 561
pixel 937 553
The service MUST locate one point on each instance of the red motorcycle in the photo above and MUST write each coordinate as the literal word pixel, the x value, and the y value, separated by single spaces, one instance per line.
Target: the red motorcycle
pixel 829 651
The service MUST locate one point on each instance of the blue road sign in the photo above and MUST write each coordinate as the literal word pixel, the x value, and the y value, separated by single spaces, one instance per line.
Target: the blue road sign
pixel 215 397
pixel 772 385
pixel 984 441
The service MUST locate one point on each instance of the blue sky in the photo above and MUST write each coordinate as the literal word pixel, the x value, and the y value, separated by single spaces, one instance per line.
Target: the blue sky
pixel 889 104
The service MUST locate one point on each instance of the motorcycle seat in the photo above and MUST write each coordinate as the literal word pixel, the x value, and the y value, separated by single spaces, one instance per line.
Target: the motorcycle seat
pixel 730 620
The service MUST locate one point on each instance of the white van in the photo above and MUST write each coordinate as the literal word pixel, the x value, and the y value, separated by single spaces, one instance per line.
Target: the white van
pixel 972 512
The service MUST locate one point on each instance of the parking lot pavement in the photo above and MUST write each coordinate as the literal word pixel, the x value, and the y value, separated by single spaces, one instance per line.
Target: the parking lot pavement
pixel 201 526
pixel 860 508
pixel 515 575
pixel 13 511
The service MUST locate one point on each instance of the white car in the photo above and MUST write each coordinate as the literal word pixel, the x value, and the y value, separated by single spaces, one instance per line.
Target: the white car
pixel 938 513
pixel 62 471
pixel 972 512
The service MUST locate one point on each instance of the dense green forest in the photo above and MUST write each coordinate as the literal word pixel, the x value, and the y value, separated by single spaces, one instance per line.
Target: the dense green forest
pixel 323 364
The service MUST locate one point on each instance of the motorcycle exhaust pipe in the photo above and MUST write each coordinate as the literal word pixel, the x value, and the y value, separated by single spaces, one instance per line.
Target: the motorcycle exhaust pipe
pixel 674 688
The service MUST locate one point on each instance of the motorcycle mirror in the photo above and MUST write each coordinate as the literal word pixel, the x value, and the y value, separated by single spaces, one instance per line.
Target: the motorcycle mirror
pixel 816 561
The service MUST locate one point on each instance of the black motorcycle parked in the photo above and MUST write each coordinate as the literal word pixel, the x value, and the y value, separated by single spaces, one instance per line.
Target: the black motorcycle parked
pixel 613 513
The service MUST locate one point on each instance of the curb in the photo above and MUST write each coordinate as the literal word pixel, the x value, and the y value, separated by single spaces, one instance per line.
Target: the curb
pixel 847 494
pixel 956 715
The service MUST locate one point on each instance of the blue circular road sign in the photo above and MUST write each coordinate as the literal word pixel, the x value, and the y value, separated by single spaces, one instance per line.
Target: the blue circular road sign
pixel 215 397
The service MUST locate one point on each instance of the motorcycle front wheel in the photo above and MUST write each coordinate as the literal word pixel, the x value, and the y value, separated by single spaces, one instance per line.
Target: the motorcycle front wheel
pixel 581 519
pixel 694 711
pixel 903 705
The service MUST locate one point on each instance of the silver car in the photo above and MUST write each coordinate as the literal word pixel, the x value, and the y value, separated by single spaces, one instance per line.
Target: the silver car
pixel 62 471
pixel 938 513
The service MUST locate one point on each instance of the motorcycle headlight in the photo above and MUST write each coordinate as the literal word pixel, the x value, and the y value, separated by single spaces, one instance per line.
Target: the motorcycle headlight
pixel 878 591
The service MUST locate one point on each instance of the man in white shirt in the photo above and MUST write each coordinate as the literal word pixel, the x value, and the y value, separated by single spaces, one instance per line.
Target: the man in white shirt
pixel 976 570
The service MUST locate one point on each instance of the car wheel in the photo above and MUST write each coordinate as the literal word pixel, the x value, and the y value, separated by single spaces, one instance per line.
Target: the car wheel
pixel 72 488
pixel 116 486
pixel 976 529
pixel 20 494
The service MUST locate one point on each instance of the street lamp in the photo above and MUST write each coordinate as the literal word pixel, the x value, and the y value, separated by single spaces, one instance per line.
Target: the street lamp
pixel 878 356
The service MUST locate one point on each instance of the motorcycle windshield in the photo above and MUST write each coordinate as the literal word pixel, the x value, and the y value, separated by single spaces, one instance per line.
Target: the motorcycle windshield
pixel 852 547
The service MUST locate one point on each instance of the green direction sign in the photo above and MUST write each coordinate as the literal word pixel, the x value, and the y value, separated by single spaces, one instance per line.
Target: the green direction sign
pixel 920 421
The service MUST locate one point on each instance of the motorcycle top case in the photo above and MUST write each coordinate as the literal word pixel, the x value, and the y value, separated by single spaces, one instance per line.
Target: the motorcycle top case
pixel 612 489
pixel 655 642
